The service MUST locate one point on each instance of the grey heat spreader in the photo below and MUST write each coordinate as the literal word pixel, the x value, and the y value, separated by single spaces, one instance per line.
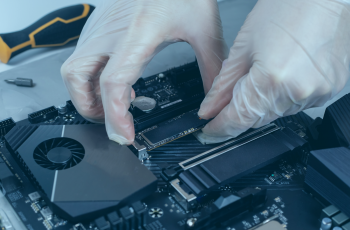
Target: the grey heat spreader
pixel 81 173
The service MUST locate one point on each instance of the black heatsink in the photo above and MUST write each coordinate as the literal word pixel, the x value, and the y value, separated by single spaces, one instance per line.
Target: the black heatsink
pixel 335 128
pixel 80 173
pixel 235 163
pixel 59 153
pixel 328 176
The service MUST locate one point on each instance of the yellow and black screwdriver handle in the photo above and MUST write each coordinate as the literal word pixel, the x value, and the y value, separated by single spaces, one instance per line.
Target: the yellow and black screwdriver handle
pixel 55 29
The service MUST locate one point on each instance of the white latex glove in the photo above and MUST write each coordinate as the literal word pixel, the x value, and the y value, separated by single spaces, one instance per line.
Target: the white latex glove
pixel 287 57
pixel 119 40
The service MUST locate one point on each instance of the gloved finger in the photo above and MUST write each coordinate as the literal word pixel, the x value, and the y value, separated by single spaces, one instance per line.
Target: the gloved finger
pixel 133 94
pixel 81 71
pixel 220 94
pixel 253 104
pixel 81 77
pixel 235 115
pixel 209 44
pixel 257 99
pixel 121 72
pixel 233 68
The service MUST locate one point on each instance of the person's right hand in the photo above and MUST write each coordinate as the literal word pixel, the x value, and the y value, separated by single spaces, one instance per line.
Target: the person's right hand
pixel 119 40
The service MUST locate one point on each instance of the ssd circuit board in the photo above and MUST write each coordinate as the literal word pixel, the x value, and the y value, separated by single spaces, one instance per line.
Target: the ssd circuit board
pixel 172 129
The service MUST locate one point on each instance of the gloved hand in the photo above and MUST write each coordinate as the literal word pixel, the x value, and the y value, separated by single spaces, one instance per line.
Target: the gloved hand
pixel 287 57
pixel 119 40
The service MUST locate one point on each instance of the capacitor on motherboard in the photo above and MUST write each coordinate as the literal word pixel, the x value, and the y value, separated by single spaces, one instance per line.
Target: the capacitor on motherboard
pixel 326 224
pixel 337 228
pixel 146 104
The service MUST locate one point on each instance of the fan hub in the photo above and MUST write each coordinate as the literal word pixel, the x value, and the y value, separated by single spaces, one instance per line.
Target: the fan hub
pixel 59 155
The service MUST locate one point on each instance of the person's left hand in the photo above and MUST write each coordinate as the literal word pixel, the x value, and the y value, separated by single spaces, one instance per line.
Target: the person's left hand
pixel 288 56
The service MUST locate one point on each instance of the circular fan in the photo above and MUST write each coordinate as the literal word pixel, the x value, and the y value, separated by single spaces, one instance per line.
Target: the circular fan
pixel 59 153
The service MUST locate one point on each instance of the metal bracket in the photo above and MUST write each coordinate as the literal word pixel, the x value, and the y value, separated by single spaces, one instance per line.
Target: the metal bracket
pixel 141 151
pixel 187 201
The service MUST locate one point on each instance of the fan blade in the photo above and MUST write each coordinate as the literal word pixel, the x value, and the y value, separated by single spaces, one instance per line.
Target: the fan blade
pixel 78 157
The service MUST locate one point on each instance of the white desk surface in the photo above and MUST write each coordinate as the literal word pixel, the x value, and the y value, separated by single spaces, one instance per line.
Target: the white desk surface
pixel 29 11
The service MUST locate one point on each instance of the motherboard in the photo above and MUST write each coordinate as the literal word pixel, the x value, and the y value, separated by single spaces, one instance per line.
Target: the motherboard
pixel 60 171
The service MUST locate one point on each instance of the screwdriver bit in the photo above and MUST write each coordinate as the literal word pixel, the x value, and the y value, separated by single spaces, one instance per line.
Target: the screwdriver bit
pixel 21 82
